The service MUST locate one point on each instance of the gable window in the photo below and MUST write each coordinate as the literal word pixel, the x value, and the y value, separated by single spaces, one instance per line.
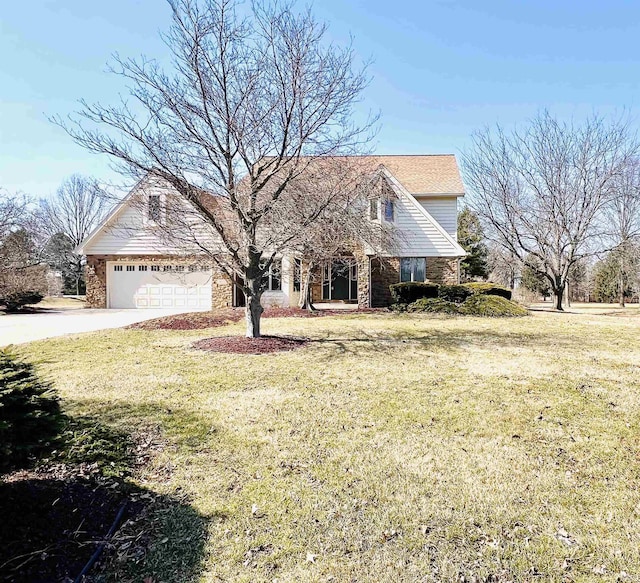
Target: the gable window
pixel 154 211
pixel 271 279
pixel 413 269
pixel 373 209
pixel 389 211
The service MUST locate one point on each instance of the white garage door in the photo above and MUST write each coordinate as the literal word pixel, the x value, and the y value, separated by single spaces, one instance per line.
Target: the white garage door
pixel 144 285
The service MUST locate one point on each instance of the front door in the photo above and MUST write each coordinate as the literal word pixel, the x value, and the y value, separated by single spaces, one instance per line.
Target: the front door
pixel 339 279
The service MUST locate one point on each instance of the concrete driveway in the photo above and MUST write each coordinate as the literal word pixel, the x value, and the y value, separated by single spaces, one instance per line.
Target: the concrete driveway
pixel 21 328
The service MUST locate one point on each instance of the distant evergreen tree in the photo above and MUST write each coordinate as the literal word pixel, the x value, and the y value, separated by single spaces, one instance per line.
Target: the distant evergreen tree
pixel 472 240
pixel 533 279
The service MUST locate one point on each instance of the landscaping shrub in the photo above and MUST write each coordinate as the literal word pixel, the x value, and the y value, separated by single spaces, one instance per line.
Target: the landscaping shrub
pixel 434 305
pixel 30 417
pixel 410 291
pixel 454 293
pixel 488 289
pixel 13 301
pixel 491 305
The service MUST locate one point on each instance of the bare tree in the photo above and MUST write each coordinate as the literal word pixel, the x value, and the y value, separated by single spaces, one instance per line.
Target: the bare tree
pixel 13 210
pixel 344 228
pixel 622 224
pixel 68 218
pixel 540 191
pixel 251 103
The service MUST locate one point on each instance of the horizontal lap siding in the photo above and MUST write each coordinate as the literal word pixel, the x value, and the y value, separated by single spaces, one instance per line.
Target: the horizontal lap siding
pixel 128 235
pixel 443 210
pixel 419 237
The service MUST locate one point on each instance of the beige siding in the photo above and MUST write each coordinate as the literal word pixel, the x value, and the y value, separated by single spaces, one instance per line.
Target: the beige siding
pixel 420 236
pixel 444 210
pixel 129 233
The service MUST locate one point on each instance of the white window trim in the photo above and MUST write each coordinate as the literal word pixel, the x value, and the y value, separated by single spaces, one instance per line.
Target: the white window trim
pixel 412 271
pixel 269 276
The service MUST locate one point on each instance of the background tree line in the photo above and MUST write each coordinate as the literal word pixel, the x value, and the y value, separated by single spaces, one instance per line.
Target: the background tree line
pixel 559 205
pixel 38 241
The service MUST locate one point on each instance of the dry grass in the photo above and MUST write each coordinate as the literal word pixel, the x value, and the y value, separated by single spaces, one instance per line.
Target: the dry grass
pixel 391 448
pixel 61 303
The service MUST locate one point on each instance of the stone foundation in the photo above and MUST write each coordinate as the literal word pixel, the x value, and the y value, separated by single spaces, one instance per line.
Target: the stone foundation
pixel 96 277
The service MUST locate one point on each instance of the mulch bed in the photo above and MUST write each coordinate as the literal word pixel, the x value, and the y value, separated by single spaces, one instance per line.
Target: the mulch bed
pixel 243 345
pixel 201 320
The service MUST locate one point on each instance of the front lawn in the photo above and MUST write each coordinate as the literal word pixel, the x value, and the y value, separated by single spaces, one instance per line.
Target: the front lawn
pixel 389 448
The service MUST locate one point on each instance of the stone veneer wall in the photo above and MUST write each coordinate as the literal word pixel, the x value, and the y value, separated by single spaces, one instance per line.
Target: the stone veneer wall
pixel 96 277
pixel 443 270
pixel 386 271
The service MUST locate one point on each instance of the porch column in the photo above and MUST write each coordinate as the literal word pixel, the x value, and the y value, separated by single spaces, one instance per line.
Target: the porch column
pixel 364 281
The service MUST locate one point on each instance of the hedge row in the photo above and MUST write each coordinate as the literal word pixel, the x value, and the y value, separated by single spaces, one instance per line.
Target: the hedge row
pixel 409 292
pixel 475 305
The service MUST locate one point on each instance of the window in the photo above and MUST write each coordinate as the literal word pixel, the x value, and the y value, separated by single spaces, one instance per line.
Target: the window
pixel 155 268
pixel 154 210
pixel 413 269
pixel 297 274
pixel 117 268
pixel 142 268
pixel 373 209
pixel 131 267
pixel 271 279
pixel 389 211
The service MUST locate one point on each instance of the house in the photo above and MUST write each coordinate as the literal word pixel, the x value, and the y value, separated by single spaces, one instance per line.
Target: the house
pixel 130 266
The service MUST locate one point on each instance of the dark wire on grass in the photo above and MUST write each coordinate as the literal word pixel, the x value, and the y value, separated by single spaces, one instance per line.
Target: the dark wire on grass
pixel 100 548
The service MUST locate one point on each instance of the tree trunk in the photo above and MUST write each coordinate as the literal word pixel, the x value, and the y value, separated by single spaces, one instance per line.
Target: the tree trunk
pixel 253 308
pixel 558 294
pixel 305 302
pixel 253 313
pixel 621 281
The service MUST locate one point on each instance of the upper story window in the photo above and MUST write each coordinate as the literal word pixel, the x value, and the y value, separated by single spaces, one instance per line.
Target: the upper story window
pixel 271 281
pixel 373 209
pixel 154 209
pixel 413 269
pixel 389 211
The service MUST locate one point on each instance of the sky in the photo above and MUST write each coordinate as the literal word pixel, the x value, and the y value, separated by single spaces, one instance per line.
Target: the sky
pixel 440 70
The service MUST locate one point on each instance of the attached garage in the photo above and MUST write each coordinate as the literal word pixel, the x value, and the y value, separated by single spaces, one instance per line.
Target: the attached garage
pixel 148 285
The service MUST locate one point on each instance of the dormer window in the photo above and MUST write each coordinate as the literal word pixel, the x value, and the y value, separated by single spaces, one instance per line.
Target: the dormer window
pixel 389 211
pixel 154 211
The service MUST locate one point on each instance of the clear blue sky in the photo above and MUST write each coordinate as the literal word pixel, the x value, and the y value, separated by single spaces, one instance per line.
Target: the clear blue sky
pixel 442 68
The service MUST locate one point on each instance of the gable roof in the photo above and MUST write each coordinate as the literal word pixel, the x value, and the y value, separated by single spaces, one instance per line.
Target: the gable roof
pixel 402 192
pixel 424 174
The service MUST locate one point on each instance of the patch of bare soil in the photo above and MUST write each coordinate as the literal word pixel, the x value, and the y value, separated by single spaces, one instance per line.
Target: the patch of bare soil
pixel 243 345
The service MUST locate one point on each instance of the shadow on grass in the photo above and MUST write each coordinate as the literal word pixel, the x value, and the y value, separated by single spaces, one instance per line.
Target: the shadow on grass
pixel 55 516
pixel 364 342
pixel 51 527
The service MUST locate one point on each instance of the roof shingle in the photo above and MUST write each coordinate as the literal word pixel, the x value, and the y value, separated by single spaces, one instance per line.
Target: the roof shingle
pixel 424 174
